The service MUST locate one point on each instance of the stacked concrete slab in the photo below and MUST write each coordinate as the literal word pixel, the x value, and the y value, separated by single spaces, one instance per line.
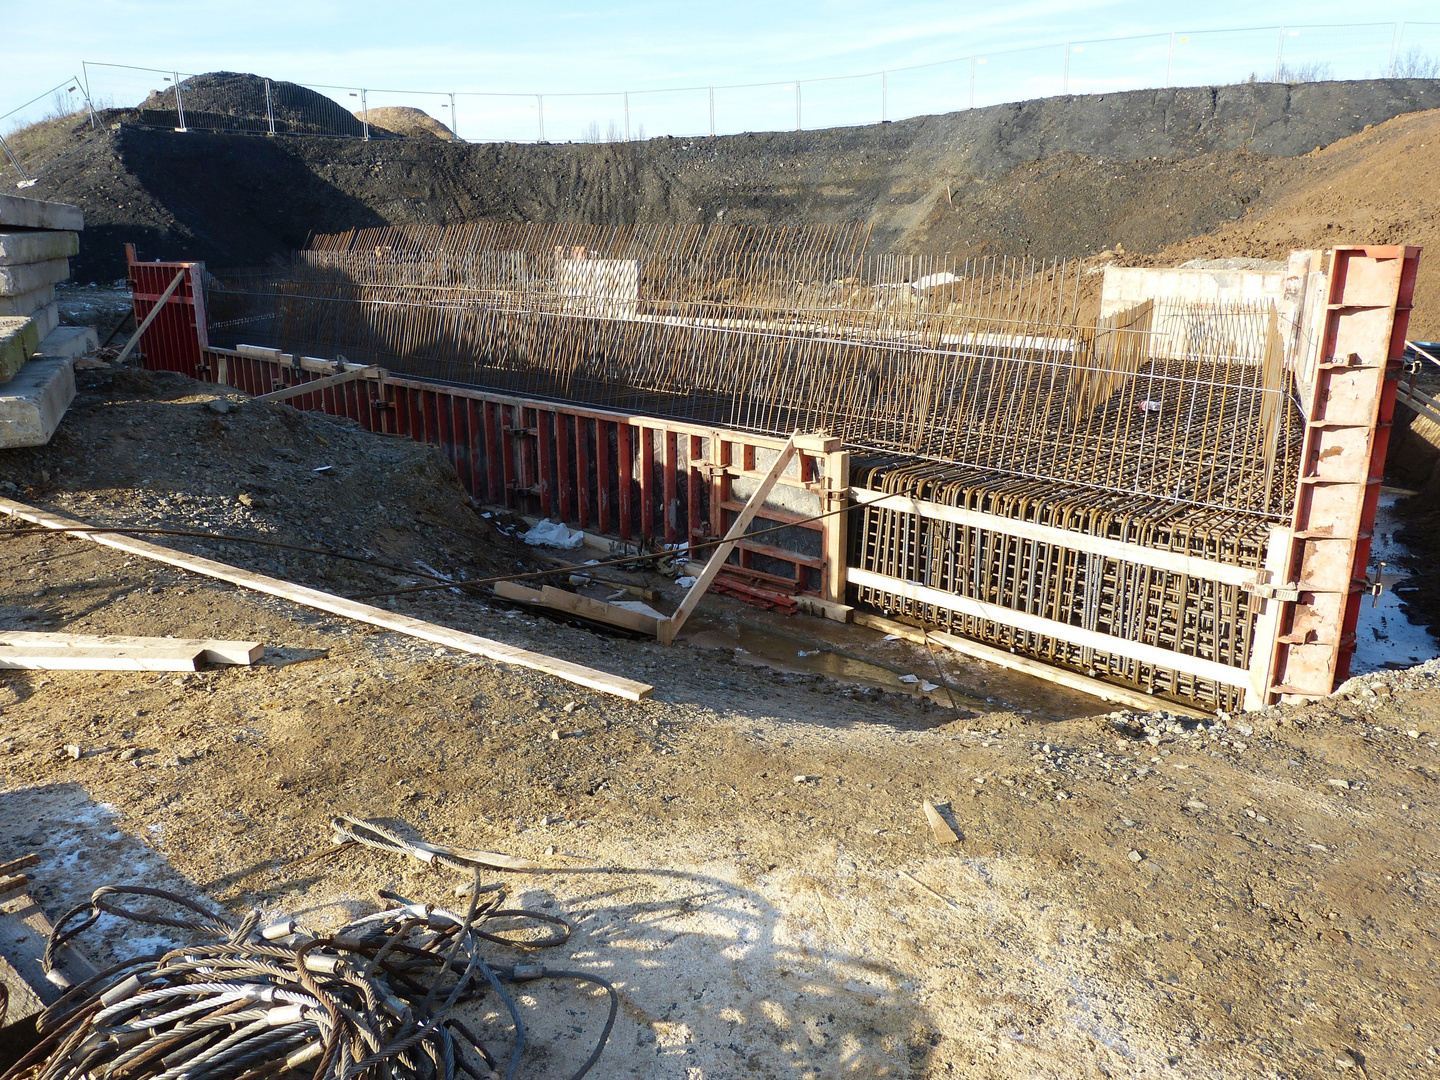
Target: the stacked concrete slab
pixel 37 383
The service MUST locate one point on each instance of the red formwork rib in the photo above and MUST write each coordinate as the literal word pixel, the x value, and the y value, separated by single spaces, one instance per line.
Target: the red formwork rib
pixel 619 475
pixel 1351 403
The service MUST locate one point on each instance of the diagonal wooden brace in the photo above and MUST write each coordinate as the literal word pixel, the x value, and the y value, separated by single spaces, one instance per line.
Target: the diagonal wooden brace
pixel 669 628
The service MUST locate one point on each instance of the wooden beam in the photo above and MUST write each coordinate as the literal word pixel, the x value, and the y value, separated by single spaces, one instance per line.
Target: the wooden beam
pixel 575 604
pixel 300 389
pixel 1117 695
pixel 1037 624
pixel 339 605
pixel 671 626
pixel 1172 561
pixel 212 651
pixel 96 658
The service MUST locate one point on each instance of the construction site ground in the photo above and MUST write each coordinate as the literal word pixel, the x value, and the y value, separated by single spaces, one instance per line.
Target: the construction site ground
pixel 744 854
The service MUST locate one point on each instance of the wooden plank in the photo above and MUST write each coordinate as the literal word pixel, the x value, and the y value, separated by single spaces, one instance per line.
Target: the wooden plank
pixel 339 605
pixel 939 827
pixel 1036 624
pixel 598 610
pixel 96 658
pixel 671 626
pixel 835 538
pixel 575 604
pixel 1172 561
pixel 1118 695
pixel 213 650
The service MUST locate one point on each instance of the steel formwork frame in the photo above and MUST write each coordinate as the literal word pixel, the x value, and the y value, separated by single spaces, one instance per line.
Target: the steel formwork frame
pixel 1289 592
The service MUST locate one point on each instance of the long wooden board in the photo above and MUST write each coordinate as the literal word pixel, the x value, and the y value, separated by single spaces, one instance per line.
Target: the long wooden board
pixel 575 604
pixel 212 651
pixel 97 658
pixel 1036 624
pixel 339 605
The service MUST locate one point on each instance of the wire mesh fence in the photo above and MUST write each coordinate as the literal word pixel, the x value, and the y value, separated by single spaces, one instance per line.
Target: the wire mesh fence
pixel 222 101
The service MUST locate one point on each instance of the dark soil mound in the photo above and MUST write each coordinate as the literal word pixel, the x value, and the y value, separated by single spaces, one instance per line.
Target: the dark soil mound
pixel 231 101
pixel 1065 176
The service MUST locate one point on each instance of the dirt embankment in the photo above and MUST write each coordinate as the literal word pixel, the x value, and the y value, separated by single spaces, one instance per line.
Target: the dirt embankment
pixel 1057 176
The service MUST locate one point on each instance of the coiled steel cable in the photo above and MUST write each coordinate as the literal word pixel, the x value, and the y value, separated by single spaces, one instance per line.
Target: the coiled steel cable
pixel 377 999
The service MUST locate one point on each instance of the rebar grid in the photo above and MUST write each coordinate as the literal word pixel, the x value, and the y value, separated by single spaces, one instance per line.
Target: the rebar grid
pixel 1189 615
pixel 985 363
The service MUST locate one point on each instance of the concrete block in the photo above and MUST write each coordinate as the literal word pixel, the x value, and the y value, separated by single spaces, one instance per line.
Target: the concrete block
pixel 15 280
pixel 33 247
pixel 18 213
pixel 32 403
pixel 27 303
pixel 19 338
pixel 46 320
pixel 69 342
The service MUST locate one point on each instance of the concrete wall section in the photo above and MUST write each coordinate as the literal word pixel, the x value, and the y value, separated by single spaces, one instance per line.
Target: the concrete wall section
pixel 17 280
pixel 33 247
pixel 32 404
pixel 18 213
pixel 27 303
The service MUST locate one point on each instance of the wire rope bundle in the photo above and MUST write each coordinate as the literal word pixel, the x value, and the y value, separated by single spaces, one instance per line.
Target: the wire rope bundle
pixel 378 999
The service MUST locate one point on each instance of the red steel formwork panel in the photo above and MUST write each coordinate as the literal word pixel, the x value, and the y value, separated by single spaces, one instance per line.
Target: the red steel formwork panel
pixel 641 480
pixel 1350 405
pixel 175 340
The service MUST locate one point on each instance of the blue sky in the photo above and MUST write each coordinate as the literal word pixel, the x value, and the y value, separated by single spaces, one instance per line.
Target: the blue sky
pixel 556 48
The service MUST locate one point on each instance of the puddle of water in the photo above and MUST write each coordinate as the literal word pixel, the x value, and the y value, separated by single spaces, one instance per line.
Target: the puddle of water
pixel 1385 638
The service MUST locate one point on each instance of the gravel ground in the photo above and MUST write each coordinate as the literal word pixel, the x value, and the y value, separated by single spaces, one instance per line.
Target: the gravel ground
pixel 745 854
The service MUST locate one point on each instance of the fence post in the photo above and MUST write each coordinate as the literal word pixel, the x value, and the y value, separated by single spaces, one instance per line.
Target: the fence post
pixel 1396 31
pixel 884 96
pixel 972 82
pixel 540 113
pixel 1065 77
pixel 24 176
pixel 95 120
pixel 1170 60
pixel 364 117
pixel 179 105
pixel 797 104
pixel 454 127
pixel 712 112
pixel 269 109
pixel 1280 55
pixel 627 115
